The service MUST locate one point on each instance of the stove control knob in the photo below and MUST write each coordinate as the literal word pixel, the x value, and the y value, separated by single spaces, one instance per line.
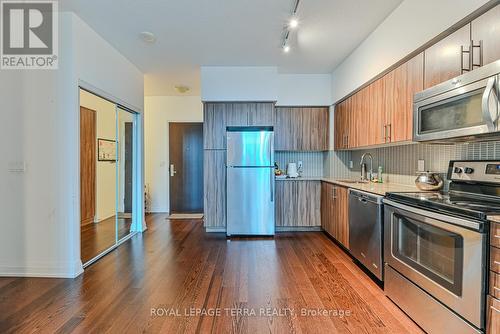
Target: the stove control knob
pixel 469 170
pixel 457 170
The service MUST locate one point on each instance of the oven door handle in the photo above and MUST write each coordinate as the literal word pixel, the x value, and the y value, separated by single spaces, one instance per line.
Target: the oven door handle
pixel 487 117
pixel 476 226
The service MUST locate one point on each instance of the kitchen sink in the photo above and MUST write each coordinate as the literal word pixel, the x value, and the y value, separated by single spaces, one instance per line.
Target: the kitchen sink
pixel 353 181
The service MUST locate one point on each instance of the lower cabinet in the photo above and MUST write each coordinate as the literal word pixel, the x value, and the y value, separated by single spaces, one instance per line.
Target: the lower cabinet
pixel 214 184
pixel 298 203
pixel 493 316
pixel 335 212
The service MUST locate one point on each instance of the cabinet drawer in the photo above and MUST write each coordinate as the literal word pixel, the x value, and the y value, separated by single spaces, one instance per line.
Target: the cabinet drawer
pixel 495 284
pixel 495 259
pixel 495 235
pixel 493 316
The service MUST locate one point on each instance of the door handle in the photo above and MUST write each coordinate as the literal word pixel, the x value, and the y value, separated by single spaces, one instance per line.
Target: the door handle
pixel 172 170
pixel 272 186
pixel 489 90
pixel 473 47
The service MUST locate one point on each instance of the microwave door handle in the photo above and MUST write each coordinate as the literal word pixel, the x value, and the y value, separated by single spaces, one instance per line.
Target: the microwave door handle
pixel 490 122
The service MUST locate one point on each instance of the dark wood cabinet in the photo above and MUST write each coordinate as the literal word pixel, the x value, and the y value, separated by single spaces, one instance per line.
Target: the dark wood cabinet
pixel 445 59
pixel 485 32
pixel 214 179
pixel 298 203
pixel 219 115
pixel 261 114
pixel 301 129
pixel 214 126
pixel 335 212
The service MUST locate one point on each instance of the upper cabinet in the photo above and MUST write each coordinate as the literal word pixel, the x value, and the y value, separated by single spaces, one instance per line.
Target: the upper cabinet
pixel 485 37
pixel 382 112
pixel 447 58
pixel 301 129
pixel 219 115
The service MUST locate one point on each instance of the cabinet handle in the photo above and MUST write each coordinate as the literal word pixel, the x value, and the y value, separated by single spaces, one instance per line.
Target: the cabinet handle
pixel 334 193
pixel 389 130
pixel 384 133
pixel 347 141
pixel 474 46
pixel 464 52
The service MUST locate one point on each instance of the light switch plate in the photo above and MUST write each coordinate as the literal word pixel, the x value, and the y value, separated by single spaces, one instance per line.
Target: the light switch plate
pixel 421 165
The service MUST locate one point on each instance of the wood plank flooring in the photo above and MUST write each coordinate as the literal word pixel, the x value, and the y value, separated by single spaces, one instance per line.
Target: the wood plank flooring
pixel 150 282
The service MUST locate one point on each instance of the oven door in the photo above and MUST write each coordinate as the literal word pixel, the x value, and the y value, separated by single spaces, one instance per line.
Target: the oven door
pixel 469 110
pixel 443 255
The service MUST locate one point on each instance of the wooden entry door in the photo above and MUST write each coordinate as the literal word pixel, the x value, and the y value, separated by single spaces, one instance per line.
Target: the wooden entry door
pixel 186 167
pixel 87 165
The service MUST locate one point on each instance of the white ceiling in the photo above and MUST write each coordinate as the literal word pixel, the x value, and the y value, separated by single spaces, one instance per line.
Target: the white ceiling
pixel 194 33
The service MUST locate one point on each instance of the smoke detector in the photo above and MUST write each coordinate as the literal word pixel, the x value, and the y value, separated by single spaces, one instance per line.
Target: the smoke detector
pixel 147 37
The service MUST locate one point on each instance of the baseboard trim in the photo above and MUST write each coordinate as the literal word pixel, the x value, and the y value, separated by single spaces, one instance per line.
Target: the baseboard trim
pixel 215 229
pixel 298 229
pixel 42 271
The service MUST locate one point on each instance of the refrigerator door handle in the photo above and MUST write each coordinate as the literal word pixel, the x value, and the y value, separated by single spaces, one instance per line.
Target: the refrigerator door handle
pixel 272 185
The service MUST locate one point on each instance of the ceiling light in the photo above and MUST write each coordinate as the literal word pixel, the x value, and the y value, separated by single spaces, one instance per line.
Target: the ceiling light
pixel 286 48
pixel 147 37
pixel 182 89
pixel 293 23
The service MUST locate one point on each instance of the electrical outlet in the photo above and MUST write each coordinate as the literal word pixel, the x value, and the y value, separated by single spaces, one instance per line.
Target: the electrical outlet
pixel 299 164
pixel 421 165
pixel 351 165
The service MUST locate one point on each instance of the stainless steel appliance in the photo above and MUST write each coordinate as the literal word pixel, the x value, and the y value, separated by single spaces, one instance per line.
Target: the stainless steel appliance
pixel 365 230
pixel 435 248
pixel 464 108
pixel 250 181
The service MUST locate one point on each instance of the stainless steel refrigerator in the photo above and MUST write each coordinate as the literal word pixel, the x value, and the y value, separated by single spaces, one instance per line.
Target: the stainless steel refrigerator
pixel 250 181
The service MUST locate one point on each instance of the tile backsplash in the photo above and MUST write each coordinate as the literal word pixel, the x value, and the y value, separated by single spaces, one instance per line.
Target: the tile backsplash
pixel 312 161
pixel 400 162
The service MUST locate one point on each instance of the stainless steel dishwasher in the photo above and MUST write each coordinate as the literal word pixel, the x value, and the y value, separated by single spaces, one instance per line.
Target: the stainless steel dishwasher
pixel 365 230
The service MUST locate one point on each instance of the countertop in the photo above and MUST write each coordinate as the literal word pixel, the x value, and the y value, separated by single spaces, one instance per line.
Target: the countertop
pixel 374 188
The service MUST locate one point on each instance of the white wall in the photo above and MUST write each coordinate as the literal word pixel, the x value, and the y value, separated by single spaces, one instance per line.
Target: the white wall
pixel 231 83
pixel 159 111
pixel 304 90
pixel 105 170
pixel 409 26
pixel 40 207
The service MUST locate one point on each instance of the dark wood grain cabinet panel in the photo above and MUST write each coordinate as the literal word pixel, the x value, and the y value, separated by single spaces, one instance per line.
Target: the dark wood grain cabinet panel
pixel 261 114
pixel 214 126
pixel 298 203
pixel 486 37
pixel 214 179
pixel 335 212
pixel 301 129
pixel 445 60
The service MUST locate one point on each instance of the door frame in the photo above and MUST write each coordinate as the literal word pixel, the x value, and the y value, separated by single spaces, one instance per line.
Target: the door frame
pixel 138 217
pixel 168 156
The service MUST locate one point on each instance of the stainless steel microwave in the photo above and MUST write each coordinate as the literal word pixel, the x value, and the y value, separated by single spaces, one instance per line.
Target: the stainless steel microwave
pixel 465 108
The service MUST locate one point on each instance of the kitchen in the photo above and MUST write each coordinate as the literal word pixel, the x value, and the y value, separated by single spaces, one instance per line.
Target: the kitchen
pixel 285 166
pixel 428 238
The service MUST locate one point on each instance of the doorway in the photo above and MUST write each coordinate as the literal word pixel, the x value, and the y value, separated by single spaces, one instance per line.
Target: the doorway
pixel 186 167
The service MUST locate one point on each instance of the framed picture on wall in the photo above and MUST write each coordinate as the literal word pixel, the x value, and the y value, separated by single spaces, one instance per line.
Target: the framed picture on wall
pixel 106 150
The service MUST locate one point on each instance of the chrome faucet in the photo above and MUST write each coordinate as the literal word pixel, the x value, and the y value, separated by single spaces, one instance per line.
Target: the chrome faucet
pixel 363 167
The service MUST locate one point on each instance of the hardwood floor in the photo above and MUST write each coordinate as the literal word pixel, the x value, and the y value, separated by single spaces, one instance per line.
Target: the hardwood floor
pixel 96 238
pixel 176 266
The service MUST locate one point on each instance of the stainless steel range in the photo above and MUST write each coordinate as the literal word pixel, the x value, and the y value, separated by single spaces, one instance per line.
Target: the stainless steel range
pixel 435 249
